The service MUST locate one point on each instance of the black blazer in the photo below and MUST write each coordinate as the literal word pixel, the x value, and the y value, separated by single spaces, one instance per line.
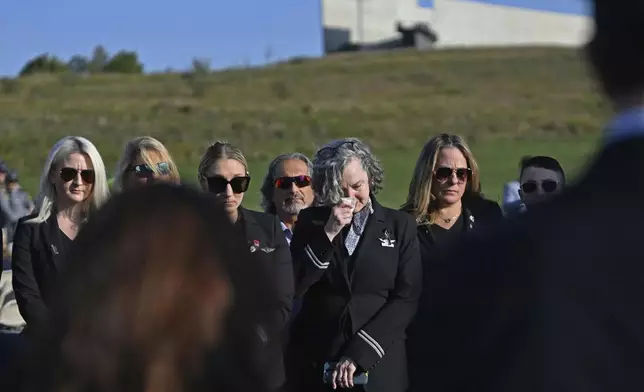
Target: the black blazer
pixel 267 244
pixel 478 214
pixel 36 262
pixel 549 301
pixel 363 315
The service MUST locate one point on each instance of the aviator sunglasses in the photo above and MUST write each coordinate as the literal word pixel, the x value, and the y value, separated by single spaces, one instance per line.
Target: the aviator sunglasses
pixel 68 173
pixel 444 173
pixel 548 186
pixel 287 182
pixel 145 171
pixel 218 184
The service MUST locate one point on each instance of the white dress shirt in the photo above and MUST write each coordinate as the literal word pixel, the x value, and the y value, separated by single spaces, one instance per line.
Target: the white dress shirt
pixel 287 233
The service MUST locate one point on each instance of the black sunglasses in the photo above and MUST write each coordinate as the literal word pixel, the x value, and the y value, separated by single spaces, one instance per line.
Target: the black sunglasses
pixel 444 173
pixel 328 152
pixel 287 182
pixel 548 186
pixel 68 173
pixel 145 171
pixel 218 184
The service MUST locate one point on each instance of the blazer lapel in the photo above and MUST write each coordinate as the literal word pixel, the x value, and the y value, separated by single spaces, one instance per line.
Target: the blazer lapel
pixel 252 231
pixel 51 240
pixel 469 221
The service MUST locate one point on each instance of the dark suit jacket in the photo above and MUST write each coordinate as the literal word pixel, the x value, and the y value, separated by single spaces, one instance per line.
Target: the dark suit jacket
pixel 550 301
pixel 268 245
pixel 478 214
pixel 362 315
pixel 36 262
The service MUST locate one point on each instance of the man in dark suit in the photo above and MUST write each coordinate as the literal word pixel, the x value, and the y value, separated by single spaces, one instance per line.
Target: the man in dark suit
pixel 553 301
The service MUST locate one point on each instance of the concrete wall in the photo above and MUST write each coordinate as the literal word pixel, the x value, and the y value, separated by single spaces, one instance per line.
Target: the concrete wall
pixel 459 22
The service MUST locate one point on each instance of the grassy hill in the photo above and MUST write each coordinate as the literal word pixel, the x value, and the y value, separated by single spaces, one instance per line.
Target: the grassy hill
pixel 506 102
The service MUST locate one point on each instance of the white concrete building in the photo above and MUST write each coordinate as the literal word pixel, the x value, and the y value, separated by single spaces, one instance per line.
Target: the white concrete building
pixel 459 22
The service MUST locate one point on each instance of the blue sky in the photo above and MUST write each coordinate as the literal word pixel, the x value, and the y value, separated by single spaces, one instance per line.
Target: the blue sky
pixel 165 33
pixel 170 33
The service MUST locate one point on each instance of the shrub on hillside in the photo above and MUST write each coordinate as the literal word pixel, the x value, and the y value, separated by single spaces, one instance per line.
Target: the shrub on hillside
pixel 124 62
pixel 44 63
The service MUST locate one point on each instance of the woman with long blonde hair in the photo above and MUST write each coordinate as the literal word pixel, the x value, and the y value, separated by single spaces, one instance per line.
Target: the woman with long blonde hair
pixel 445 200
pixel 73 186
pixel 144 160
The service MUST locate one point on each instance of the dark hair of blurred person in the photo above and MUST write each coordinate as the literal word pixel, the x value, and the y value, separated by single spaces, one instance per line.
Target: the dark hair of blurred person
pixel 154 284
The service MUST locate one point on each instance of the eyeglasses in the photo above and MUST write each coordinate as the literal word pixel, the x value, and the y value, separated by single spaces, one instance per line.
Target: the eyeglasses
pixel 442 174
pixel 287 182
pixel 145 171
pixel 218 184
pixel 328 152
pixel 69 173
pixel 548 186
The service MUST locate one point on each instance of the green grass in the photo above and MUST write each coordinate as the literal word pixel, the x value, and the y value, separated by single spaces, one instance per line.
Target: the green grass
pixel 506 102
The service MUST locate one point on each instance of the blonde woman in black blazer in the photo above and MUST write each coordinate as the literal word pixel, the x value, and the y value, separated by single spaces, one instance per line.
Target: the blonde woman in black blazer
pixel 223 171
pixel 358 273
pixel 72 185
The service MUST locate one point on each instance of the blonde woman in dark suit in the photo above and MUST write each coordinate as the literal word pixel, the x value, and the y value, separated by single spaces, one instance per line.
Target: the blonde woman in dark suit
pixel 73 185
pixel 223 171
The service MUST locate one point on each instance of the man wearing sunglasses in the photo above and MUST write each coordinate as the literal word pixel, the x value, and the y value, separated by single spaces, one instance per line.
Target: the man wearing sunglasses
pixel 287 189
pixel 541 178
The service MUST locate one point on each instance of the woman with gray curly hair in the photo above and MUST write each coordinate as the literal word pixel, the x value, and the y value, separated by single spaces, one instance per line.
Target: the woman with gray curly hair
pixel 358 274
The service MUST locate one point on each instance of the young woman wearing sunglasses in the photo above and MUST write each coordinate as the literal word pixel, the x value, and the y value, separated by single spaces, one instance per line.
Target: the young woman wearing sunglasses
pixel 72 186
pixel 223 172
pixel 145 160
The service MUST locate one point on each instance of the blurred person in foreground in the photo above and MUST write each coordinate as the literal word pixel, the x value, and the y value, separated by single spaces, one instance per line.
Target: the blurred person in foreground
pixel 287 189
pixel 145 160
pixel 145 307
pixel 223 171
pixel 541 178
pixel 73 186
pixel 552 301
pixel 358 273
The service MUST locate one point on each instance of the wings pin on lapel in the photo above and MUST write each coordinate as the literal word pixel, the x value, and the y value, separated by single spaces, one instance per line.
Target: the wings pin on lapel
pixel 387 242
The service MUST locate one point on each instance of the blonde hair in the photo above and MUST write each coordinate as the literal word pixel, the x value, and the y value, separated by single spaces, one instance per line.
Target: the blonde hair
pixel 141 147
pixel 420 200
pixel 216 151
pixel 46 200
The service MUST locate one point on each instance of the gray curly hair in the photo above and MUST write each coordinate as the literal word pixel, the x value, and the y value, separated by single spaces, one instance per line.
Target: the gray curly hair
pixel 329 164
pixel 268 187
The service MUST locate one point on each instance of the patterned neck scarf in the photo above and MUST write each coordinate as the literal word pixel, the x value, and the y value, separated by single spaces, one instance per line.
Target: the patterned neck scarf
pixel 357 227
